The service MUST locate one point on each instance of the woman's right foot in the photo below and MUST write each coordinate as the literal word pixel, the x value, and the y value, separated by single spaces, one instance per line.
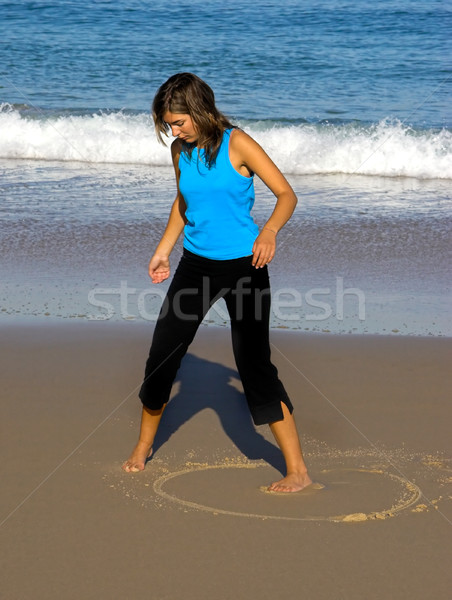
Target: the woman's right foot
pixel 137 460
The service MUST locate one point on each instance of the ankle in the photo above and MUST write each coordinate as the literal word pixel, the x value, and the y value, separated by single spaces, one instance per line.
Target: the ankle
pixel 299 471
pixel 145 444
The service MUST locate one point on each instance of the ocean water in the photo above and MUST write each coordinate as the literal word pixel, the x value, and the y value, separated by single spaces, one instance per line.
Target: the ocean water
pixel 351 99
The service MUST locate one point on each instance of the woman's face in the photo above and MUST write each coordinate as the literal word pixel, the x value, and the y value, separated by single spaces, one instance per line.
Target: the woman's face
pixel 182 126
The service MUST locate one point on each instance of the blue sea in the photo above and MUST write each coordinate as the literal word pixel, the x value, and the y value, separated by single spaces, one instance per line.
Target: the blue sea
pixel 351 100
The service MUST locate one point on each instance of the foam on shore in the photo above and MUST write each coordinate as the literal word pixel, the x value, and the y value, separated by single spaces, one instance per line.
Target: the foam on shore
pixel 388 148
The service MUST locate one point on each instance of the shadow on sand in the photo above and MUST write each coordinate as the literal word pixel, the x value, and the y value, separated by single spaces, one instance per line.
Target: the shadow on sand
pixel 206 384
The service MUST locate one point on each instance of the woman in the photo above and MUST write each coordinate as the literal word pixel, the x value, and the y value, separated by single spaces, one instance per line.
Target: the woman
pixel 224 255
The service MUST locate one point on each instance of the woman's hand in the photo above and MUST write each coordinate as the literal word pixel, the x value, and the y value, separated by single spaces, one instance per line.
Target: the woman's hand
pixel 159 268
pixel 264 248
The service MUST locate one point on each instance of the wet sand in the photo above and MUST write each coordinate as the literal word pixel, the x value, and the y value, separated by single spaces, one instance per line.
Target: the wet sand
pixel 374 418
pixel 360 254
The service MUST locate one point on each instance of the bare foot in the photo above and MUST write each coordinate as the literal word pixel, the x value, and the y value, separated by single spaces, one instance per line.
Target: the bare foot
pixel 137 461
pixel 293 482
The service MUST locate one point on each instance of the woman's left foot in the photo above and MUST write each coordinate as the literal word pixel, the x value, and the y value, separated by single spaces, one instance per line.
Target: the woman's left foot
pixel 294 482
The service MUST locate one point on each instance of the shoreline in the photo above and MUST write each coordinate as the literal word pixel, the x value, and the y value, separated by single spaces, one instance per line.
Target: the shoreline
pixel 41 321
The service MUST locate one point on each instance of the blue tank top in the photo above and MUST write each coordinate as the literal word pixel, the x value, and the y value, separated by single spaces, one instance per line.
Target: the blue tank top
pixel 219 202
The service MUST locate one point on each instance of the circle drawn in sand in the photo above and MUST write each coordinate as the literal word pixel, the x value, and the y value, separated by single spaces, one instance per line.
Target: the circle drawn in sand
pixel 389 494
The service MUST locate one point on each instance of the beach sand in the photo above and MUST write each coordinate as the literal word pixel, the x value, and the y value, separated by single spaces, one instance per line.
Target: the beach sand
pixel 374 419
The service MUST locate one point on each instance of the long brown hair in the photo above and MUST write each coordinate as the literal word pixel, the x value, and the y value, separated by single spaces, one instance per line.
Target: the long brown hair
pixel 185 93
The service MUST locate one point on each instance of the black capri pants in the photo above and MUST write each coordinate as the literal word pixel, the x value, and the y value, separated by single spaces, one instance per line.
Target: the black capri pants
pixel 197 284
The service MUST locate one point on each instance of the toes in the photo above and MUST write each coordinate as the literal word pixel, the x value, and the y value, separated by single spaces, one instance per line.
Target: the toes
pixel 130 468
pixel 282 487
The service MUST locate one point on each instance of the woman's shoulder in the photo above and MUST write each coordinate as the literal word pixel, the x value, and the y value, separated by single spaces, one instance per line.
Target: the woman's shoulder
pixel 240 139
pixel 236 133
pixel 176 147
pixel 242 143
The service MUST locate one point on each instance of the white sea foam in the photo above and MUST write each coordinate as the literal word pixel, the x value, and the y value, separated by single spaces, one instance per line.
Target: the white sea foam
pixel 97 138
pixel 388 148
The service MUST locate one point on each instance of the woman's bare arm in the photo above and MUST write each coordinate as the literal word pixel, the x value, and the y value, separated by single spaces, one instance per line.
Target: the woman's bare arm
pixel 159 266
pixel 247 156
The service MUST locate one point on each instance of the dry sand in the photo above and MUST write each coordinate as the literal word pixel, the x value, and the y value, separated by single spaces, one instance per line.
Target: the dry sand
pixel 374 417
